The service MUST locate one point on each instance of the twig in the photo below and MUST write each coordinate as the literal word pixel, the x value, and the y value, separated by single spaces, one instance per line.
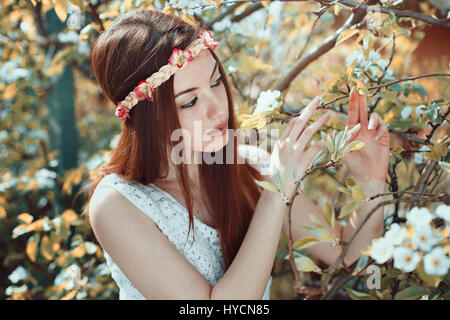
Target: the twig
pixel 441 197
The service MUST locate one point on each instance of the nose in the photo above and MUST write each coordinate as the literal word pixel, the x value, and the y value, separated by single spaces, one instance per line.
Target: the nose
pixel 217 107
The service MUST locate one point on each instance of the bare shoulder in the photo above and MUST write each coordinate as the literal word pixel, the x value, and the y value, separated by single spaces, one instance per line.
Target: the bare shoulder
pixel 142 252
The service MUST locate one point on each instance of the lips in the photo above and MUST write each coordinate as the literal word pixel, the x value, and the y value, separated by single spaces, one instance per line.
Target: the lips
pixel 218 130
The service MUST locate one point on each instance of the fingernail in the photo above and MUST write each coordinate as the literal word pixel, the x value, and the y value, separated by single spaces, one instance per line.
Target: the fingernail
pixel 354 129
pixel 371 125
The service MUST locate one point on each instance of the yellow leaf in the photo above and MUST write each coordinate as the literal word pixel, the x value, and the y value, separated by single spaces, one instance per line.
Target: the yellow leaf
pixel 349 208
pixel 25 218
pixel 60 9
pixel 267 185
pixel 2 212
pixel 354 146
pixel 78 252
pixel 358 193
pixel 346 34
pixel 78 3
pixel 362 88
pixel 69 216
pixel 322 234
pixel 350 69
pixel 31 249
pixel 47 248
pixel 350 182
pixel 70 295
pixel 72 177
pixel 303 243
pixel 329 215
pixel 305 264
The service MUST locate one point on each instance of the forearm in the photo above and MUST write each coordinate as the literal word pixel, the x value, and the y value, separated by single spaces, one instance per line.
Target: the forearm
pixel 373 228
pixel 248 274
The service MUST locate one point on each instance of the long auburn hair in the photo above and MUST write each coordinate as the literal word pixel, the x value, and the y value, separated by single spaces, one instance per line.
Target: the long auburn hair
pixel 135 46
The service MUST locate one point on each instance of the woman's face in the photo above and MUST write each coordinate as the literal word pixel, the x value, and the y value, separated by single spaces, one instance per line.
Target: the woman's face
pixel 202 104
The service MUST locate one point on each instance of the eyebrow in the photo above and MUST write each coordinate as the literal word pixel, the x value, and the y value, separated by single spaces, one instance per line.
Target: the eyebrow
pixel 188 90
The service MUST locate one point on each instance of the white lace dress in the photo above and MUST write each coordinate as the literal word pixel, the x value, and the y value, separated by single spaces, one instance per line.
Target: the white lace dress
pixel 173 219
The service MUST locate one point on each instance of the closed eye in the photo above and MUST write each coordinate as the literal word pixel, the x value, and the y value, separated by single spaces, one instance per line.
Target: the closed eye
pixel 193 101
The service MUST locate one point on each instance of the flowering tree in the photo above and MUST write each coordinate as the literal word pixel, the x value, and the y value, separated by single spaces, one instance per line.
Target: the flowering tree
pixel 326 48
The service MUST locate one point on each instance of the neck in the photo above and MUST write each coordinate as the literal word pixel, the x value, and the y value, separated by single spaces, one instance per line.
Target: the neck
pixel 172 181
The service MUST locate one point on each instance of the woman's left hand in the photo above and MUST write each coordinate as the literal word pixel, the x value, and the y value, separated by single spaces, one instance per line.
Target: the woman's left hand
pixel 372 161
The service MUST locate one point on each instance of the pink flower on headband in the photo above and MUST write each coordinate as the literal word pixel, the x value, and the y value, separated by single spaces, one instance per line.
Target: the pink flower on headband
pixel 209 40
pixel 144 91
pixel 179 57
pixel 122 111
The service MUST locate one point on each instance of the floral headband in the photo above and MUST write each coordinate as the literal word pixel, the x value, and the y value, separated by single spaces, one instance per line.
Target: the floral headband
pixel 177 61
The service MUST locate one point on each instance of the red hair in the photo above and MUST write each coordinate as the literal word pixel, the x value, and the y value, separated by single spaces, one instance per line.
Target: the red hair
pixel 135 46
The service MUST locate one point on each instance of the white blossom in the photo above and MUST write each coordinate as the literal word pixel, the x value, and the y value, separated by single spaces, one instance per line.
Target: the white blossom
pixel 419 108
pixel 396 234
pixel 424 238
pixel 267 101
pixel 223 25
pixel 406 259
pixel 18 274
pixel 405 112
pixel 45 178
pixel 443 211
pixel 382 250
pixel 419 217
pixel 436 262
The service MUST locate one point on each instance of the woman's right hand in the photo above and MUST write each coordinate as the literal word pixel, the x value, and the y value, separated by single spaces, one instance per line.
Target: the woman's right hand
pixel 289 151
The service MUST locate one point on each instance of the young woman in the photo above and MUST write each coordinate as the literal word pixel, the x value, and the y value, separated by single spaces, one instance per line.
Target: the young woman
pixel 193 230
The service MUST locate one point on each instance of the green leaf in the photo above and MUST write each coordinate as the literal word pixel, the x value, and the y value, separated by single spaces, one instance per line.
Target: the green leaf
pixel 423 93
pixel 432 281
pixel 349 208
pixel 304 243
pixel 362 263
pixel 267 185
pixel 356 295
pixel 393 273
pixel 395 87
pixel 305 264
pixel 411 293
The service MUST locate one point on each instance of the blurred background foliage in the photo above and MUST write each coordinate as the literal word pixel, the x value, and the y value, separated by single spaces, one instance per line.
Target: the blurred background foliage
pixel 56 127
